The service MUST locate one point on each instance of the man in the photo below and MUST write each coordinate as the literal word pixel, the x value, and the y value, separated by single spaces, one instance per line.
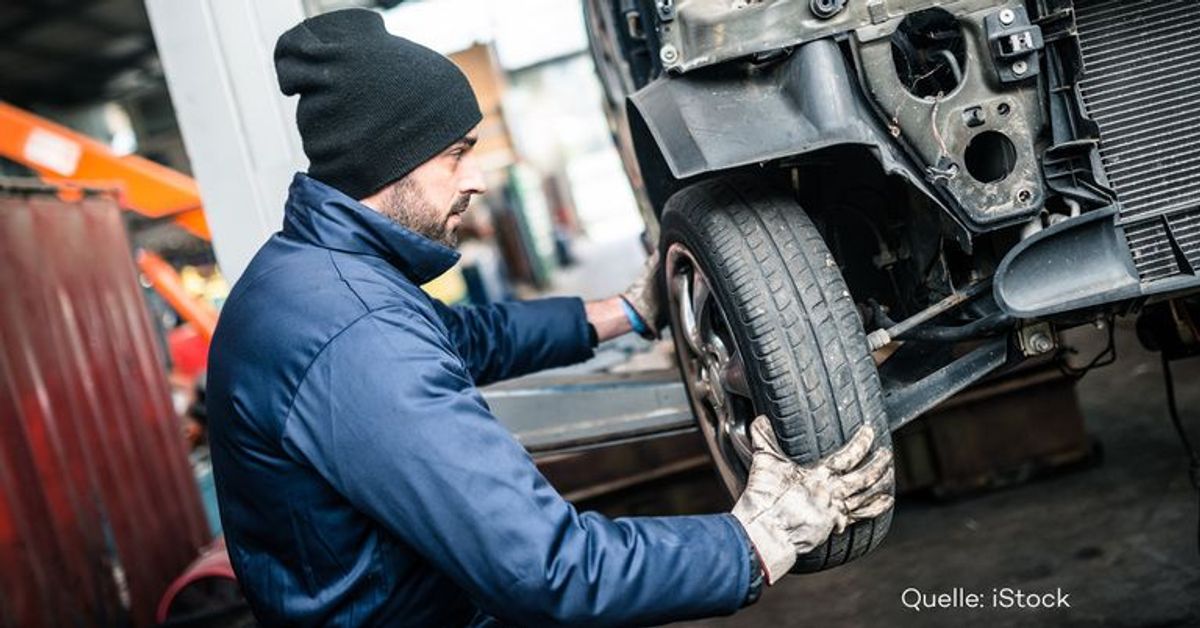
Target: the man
pixel 362 479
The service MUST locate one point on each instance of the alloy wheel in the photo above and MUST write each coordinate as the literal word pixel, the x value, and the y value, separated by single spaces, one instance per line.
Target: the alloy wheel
pixel 712 365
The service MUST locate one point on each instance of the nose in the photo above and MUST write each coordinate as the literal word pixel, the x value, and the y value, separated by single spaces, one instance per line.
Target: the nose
pixel 472 180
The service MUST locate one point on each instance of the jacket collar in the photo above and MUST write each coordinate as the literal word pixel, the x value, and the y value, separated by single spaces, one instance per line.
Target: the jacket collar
pixel 321 215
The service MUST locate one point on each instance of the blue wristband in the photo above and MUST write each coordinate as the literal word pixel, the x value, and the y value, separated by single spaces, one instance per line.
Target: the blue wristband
pixel 635 319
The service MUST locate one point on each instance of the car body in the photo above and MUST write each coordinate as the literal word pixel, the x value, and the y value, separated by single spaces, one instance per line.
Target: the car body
pixel 983 173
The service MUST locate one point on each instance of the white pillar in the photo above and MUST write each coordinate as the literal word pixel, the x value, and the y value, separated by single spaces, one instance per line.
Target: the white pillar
pixel 239 130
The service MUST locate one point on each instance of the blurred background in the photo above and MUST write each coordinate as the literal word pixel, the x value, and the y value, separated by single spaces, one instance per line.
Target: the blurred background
pixel 558 183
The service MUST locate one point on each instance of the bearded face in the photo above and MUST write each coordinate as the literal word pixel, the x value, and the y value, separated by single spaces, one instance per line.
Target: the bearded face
pixel 431 199
pixel 407 204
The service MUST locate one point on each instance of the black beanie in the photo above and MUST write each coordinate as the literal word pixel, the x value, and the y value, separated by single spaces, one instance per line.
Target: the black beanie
pixel 373 106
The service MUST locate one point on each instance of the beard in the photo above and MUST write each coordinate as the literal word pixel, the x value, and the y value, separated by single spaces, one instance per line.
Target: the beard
pixel 406 205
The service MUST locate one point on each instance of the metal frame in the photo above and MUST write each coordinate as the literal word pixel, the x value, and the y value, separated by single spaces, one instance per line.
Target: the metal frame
pixel 554 414
pixel 240 131
pixel 906 402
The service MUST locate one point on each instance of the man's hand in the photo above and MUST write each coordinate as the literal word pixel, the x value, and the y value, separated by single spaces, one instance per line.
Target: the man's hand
pixel 788 509
pixel 642 297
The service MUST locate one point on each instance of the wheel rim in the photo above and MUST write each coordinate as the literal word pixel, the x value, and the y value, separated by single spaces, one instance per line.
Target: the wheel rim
pixel 713 369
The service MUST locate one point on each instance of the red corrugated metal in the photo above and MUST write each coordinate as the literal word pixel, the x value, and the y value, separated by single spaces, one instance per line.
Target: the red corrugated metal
pixel 98 507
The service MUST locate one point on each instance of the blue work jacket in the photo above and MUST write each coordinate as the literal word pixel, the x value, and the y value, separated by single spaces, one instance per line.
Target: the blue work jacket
pixel 361 477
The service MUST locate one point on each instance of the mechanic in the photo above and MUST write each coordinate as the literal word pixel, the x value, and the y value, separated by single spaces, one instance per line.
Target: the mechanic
pixel 361 477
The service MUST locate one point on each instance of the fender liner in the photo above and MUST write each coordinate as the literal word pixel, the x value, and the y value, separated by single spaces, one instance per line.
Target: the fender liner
pixel 736 115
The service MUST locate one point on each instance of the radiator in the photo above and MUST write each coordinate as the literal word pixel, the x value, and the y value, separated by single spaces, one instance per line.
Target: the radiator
pixel 1141 85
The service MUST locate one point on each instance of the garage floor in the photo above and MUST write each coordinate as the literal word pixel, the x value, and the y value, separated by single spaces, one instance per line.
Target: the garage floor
pixel 1118 537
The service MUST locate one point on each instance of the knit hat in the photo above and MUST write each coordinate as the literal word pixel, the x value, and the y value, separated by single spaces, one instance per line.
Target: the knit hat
pixel 373 106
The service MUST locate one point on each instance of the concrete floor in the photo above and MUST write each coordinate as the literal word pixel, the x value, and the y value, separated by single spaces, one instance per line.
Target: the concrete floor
pixel 1118 537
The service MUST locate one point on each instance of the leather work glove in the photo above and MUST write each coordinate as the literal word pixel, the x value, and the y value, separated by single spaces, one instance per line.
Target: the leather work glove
pixel 642 296
pixel 788 509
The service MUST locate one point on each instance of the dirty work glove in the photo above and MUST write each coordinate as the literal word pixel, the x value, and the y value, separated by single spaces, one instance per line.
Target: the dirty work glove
pixel 641 300
pixel 788 509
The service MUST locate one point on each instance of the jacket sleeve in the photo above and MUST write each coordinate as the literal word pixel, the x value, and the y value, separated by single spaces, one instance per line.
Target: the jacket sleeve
pixel 508 339
pixel 391 420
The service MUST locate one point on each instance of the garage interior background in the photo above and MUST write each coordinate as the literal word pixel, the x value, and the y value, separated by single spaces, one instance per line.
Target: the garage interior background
pixel 1040 483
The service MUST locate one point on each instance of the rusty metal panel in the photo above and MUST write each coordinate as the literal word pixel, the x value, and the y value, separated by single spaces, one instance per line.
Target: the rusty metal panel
pixel 98 507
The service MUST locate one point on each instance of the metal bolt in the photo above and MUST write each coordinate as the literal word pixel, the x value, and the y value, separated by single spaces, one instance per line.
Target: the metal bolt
pixel 825 9
pixel 668 54
pixel 1007 16
pixel 1040 343
pixel 1020 67
pixel 1024 196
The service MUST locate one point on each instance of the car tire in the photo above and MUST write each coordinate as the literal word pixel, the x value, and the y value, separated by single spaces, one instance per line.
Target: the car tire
pixel 778 310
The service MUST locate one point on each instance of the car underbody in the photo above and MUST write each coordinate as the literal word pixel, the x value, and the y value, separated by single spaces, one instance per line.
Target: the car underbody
pixel 984 174
pixel 1045 148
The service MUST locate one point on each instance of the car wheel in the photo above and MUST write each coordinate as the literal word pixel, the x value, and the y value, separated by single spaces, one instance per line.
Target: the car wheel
pixel 764 324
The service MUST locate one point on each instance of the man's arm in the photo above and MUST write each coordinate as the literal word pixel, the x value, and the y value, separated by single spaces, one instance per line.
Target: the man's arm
pixel 510 339
pixel 505 340
pixel 608 318
pixel 388 417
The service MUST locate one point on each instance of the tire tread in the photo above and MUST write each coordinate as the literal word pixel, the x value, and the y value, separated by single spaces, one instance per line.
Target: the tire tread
pixel 807 349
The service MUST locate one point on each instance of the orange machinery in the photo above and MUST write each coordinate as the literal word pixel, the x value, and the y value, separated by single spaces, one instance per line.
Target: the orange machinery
pixel 66 158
